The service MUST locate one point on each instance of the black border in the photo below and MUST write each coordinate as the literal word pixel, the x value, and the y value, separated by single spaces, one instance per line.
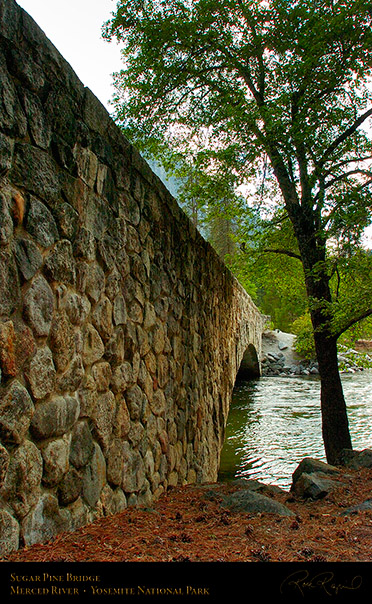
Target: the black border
pixel 206 582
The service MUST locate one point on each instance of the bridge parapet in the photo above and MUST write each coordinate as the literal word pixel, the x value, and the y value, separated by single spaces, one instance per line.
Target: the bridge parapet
pixel 121 331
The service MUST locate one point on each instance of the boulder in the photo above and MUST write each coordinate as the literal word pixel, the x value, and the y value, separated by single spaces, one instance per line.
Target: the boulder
pixel 119 501
pixel 134 470
pixel 360 507
pixel 101 373
pixel 82 445
pixel 84 245
pixel 310 465
pixel 77 308
pixel 60 263
pixel 104 417
pixel 115 462
pixel 125 467
pixel 16 411
pixel 95 284
pixel 260 487
pixel 158 403
pixel 62 341
pixel 28 257
pixel 45 521
pixel 122 377
pixel 36 171
pixel 122 420
pixel 68 220
pixel 94 477
pixel 312 479
pixel 41 373
pixel 93 347
pixel 10 292
pixel 25 345
pixel 72 378
pixel 55 417
pixel 70 487
pixel 41 224
pixel 9 533
pixel 102 318
pixel 248 501
pixel 38 306
pixel 21 488
pixel 134 400
pixel 356 460
pixel 6 223
pixel 55 456
pixel 80 514
pixel 87 395
pixel 312 486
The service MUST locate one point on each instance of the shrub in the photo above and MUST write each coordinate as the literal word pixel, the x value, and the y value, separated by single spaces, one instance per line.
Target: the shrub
pixel 304 344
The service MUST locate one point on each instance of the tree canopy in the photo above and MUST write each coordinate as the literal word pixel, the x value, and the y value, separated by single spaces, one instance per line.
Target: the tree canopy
pixel 242 83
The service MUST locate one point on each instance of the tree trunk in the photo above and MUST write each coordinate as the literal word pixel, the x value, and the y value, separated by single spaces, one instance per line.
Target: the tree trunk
pixel 335 426
pixel 306 220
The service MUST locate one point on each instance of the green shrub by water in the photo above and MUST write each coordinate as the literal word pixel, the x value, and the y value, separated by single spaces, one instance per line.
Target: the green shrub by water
pixel 305 347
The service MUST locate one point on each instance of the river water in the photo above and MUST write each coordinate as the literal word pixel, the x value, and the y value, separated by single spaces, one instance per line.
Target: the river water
pixel 275 422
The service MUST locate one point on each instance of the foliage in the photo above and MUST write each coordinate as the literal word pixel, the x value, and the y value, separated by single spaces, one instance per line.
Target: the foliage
pixel 279 88
pixel 351 286
pixel 272 95
pixel 351 283
pixel 305 347
pixel 304 343
pixel 279 288
pixel 359 331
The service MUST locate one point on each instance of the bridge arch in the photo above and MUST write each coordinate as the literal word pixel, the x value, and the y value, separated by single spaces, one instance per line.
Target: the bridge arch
pixel 250 364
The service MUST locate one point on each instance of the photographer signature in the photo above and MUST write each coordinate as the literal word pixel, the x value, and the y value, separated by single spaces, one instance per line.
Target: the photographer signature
pixel 302 581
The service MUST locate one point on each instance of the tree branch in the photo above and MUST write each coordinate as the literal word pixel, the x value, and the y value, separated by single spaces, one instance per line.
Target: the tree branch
pixel 363 315
pixel 341 164
pixel 345 135
pixel 331 182
pixel 282 251
pixel 259 48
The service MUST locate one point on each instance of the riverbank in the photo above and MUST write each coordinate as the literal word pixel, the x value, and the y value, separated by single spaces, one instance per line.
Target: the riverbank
pixel 279 357
pixel 189 524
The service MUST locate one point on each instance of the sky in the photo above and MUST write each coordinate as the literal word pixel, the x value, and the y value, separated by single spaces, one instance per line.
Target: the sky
pixel 74 27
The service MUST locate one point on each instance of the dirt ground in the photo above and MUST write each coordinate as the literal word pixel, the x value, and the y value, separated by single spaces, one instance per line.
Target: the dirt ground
pixel 186 525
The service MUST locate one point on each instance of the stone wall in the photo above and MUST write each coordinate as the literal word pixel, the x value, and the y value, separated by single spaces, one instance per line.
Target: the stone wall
pixel 121 332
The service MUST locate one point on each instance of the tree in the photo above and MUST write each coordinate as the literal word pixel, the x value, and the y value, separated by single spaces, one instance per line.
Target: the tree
pixel 278 278
pixel 285 80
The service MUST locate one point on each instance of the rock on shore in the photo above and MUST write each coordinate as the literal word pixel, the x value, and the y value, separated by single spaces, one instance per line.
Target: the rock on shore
pixel 279 357
pixel 311 481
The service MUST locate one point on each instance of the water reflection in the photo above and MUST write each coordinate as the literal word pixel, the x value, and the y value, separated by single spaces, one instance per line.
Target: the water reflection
pixel 275 422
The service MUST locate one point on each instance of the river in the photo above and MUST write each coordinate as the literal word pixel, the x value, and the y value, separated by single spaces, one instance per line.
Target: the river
pixel 274 422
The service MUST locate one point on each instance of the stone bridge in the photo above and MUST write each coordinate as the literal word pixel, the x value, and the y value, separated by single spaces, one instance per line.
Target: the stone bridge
pixel 121 332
